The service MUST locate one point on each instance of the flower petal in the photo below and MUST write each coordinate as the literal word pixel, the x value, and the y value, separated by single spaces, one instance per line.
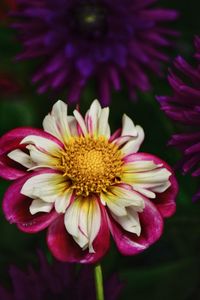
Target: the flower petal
pixel 43 144
pixel 63 201
pixel 103 125
pixel 21 157
pixel 17 209
pixel 41 159
pixel 73 126
pixel 133 145
pixel 8 170
pixel 92 117
pixel 130 222
pixel 128 127
pixel 82 221
pixel 165 201
pixel 46 186
pixel 120 197
pixel 40 206
pixel 151 229
pixel 56 122
pixel 11 141
pixel 64 248
pixel 81 123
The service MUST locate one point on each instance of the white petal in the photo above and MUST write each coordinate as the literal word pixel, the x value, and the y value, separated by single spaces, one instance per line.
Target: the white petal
pixel 130 222
pixel 162 187
pixel 133 145
pixel 103 125
pixel 63 201
pixel 72 125
pixel 40 206
pixel 82 221
pixel 157 176
pixel 149 182
pixel 140 166
pixel 122 140
pixel 92 117
pixel 71 220
pixel 46 187
pixel 119 198
pixel 43 144
pixel 127 197
pixel 21 157
pixel 128 127
pixel 56 122
pixel 92 221
pixel 41 158
pixel 145 192
pixel 81 122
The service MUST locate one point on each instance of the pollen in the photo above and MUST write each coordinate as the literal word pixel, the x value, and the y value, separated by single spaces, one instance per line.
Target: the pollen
pixel 92 164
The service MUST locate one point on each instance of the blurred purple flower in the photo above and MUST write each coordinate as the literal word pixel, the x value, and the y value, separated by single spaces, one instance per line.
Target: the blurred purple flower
pixel 83 39
pixel 57 281
pixel 184 107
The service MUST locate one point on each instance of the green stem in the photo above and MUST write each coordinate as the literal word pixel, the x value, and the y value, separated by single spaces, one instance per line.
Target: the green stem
pixel 98 282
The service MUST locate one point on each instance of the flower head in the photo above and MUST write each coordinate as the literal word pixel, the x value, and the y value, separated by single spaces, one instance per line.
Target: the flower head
pixel 79 40
pixel 55 281
pixel 81 182
pixel 184 107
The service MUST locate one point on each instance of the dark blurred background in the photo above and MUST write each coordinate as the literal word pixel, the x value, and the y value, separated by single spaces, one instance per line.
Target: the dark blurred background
pixel 170 269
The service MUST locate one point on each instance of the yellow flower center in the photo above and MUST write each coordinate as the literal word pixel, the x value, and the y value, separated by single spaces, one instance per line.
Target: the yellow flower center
pixel 92 164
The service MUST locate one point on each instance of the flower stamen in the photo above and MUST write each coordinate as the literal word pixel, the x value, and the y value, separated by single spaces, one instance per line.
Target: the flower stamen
pixel 92 164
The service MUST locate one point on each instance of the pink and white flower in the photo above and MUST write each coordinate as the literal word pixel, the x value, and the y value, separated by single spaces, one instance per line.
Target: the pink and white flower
pixel 83 183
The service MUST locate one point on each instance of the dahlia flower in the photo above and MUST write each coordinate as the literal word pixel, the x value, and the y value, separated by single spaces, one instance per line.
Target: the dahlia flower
pixel 56 281
pixel 83 183
pixel 184 107
pixel 106 41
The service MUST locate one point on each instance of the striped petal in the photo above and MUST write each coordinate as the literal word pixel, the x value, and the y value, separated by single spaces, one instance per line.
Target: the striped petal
pixel 92 117
pixel 120 197
pixel 63 200
pixel 147 177
pixel 103 125
pixel 80 123
pixel 73 126
pixel 97 120
pixel 47 186
pixel 82 221
pixel 151 224
pixel 10 142
pixel 64 248
pixel 133 145
pixel 56 122
pixel 164 197
pixel 17 209
pixel 43 144
pixel 42 159
pixel 130 222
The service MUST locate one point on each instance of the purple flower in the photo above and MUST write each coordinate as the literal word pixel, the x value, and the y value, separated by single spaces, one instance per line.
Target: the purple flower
pixel 184 107
pixel 57 281
pixel 83 39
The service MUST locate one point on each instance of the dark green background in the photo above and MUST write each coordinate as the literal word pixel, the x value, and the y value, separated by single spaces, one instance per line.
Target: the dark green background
pixel 170 269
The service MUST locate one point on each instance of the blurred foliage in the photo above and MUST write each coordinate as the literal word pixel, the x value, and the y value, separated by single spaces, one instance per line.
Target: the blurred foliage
pixel 170 269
